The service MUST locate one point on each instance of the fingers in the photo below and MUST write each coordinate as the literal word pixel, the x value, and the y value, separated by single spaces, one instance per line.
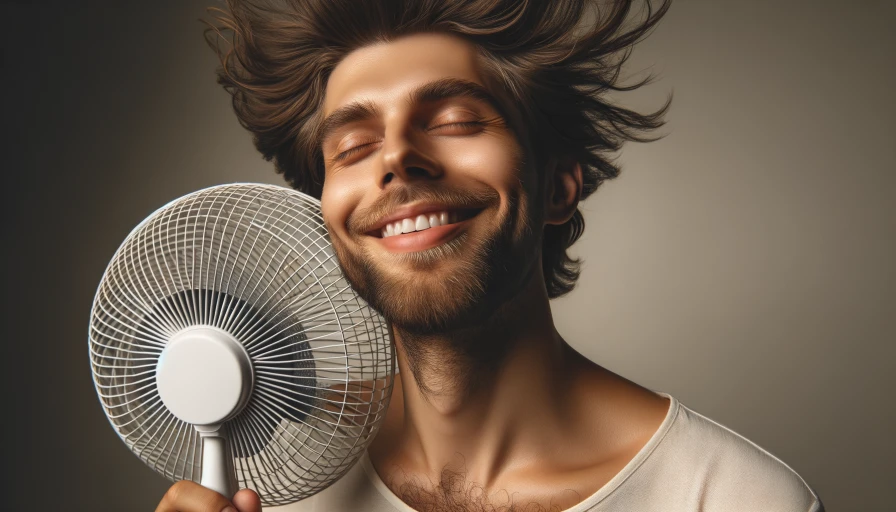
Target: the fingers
pixel 187 496
pixel 247 501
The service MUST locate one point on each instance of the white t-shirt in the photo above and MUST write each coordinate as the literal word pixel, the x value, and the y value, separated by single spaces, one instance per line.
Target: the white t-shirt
pixel 690 464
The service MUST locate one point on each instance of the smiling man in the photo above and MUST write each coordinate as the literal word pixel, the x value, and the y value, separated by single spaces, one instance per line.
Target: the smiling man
pixel 450 144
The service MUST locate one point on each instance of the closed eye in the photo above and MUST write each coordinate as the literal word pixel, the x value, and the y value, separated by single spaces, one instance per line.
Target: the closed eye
pixel 465 124
pixel 349 152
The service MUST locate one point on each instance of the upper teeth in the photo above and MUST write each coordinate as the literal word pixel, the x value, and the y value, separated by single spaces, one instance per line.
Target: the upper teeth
pixel 419 223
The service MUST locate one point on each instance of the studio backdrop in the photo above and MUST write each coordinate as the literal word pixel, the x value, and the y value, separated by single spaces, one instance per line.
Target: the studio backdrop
pixel 744 263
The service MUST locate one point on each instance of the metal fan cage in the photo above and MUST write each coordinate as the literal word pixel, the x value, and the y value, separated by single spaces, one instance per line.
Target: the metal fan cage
pixel 254 260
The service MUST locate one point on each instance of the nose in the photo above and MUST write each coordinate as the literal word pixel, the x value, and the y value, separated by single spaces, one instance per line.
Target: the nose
pixel 403 159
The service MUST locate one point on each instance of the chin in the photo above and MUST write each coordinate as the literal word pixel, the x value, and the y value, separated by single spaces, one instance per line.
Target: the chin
pixel 454 285
pixel 428 308
pixel 425 291
pixel 434 290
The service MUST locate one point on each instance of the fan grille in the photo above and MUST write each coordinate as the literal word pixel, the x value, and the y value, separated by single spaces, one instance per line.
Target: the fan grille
pixel 254 260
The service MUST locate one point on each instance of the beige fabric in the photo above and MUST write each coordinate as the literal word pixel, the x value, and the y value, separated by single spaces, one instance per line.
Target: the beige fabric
pixel 690 464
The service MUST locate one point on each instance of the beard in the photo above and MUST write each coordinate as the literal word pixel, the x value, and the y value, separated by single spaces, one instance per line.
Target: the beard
pixel 458 284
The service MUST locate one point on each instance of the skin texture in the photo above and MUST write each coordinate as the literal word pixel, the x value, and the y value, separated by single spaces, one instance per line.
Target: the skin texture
pixel 492 407
pixel 487 384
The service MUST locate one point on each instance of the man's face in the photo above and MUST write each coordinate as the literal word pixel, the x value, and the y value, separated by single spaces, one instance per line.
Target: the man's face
pixel 413 140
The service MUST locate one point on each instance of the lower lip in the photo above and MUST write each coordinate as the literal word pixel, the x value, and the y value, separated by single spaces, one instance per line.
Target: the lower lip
pixel 422 240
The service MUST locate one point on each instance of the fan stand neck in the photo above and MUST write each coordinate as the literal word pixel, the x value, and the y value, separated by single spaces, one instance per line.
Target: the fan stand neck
pixel 205 377
pixel 217 461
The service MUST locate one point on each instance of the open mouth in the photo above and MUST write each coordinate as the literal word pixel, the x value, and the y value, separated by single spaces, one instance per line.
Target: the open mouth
pixel 424 222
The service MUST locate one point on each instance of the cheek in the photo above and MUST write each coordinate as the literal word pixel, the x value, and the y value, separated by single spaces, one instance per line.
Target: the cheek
pixel 338 197
pixel 499 163
pixel 492 159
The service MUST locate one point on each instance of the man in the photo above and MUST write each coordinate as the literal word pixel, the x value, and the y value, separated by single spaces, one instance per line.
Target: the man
pixel 450 144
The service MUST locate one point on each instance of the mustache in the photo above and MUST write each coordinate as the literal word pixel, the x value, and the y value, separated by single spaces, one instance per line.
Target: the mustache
pixel 366 219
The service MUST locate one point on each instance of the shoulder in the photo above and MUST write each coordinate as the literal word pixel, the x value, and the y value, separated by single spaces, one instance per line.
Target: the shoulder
pixel 728 471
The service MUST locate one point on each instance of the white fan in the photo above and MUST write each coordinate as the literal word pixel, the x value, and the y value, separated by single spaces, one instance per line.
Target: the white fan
pixel 227 347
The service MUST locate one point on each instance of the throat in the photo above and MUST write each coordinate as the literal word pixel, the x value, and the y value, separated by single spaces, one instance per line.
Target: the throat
pixel 449 371
pixel 472 391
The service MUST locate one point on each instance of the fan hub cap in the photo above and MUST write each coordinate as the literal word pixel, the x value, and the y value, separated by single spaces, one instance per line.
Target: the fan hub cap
pixel 204 375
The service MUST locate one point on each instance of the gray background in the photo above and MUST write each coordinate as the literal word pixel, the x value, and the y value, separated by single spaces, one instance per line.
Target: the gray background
pixel 743 264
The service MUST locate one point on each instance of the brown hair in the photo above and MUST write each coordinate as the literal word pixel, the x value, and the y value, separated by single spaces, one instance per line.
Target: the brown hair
pixel 556 72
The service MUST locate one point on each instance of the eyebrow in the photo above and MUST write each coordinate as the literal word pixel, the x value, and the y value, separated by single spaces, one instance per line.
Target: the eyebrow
pixel 430 92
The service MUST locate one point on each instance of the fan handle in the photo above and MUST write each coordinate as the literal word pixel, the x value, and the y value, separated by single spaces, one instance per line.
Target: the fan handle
pixel 217 462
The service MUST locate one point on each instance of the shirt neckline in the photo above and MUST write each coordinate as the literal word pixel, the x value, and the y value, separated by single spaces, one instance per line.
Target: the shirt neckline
pixel 583 505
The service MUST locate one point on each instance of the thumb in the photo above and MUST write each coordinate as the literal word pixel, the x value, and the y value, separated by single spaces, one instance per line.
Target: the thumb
pixel 246 500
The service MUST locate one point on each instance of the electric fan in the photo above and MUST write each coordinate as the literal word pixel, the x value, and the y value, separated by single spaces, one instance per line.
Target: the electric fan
pixel 227 348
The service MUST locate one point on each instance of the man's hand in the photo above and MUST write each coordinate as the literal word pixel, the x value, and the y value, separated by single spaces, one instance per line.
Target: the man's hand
pixel 187 496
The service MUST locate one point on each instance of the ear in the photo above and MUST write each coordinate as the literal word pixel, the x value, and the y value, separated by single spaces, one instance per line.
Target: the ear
pixel 564 190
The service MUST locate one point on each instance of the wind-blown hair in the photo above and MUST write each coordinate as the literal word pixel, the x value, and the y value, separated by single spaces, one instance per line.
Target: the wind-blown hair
pixel 551 70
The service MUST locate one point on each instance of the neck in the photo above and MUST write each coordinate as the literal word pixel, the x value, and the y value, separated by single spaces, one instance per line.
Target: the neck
pixel 487 395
